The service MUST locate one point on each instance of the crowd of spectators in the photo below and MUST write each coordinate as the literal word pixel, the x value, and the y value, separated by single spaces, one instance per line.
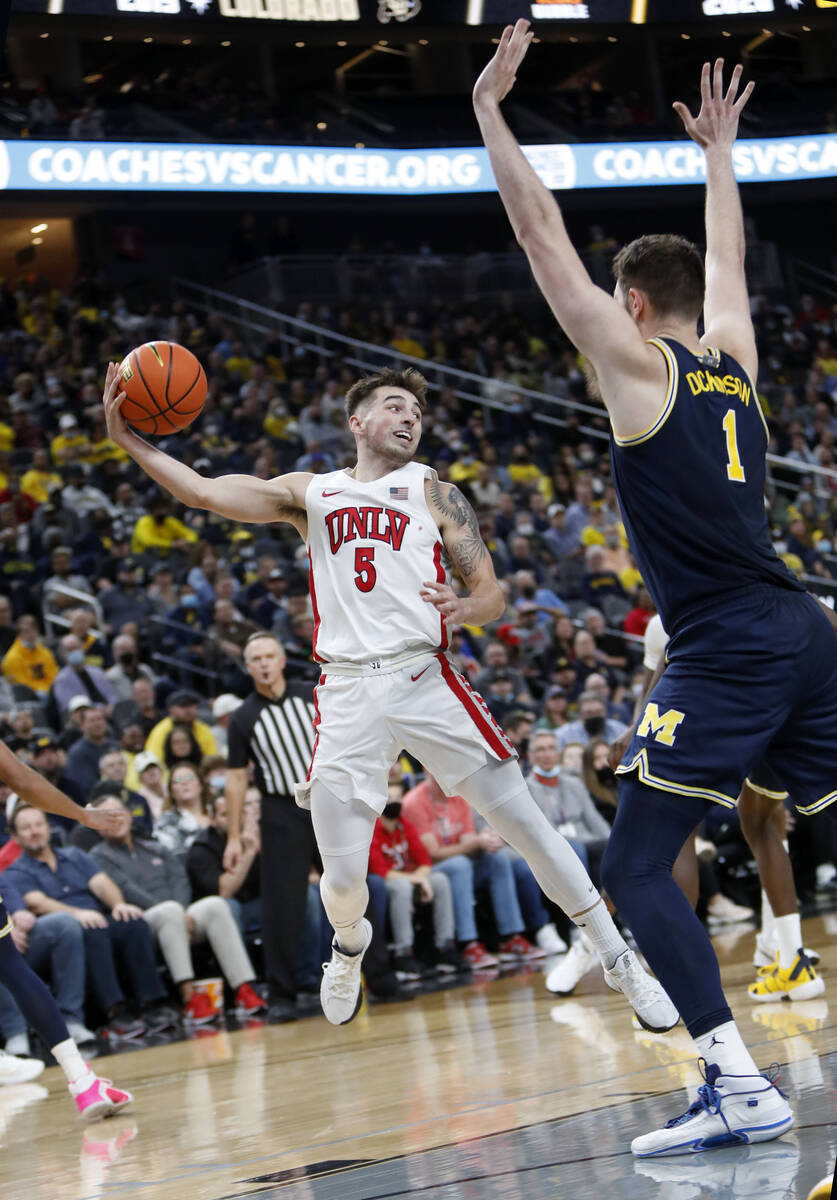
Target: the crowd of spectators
pixel 124 620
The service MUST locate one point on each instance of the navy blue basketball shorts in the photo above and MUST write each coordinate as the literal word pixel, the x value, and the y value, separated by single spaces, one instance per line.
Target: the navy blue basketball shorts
pixel 750 691
pixel 5 921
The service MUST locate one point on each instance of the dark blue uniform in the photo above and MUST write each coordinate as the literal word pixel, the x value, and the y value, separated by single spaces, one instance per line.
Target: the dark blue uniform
pixel 752 669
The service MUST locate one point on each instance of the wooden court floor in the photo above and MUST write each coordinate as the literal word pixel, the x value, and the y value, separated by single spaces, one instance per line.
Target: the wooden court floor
pixel 494 1089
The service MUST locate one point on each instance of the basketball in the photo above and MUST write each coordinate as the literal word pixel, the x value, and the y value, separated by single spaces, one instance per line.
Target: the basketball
pixel 821 1190
pixel 164 386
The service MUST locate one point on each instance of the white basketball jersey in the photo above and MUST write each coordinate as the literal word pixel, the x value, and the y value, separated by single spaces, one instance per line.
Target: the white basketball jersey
pixel 371 546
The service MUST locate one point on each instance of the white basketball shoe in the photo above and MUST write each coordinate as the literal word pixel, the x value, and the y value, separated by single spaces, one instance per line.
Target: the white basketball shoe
pixel 341 993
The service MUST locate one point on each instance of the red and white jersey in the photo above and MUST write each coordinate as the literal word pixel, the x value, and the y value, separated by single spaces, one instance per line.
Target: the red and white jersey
pixel 371 546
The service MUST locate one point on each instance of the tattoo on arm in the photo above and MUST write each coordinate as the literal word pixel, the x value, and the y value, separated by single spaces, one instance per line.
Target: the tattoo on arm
pixel 468 550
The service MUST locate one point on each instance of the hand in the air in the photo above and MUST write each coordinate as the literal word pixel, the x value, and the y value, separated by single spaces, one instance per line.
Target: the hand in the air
pixel 499 74
pixel 717 122
pixel 112 401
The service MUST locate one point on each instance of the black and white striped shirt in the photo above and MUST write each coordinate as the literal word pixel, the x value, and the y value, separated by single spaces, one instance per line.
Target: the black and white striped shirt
pixel 277 736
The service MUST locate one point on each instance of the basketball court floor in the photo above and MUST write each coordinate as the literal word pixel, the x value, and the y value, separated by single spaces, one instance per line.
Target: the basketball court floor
pixel 496 1089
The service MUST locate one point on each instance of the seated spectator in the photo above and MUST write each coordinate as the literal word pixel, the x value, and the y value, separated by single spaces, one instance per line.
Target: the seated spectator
pixel 160 531
pixel 29 661
pixel 597 583
pixel 398 855
pixel 223 707
pixel 126 600
pixel 599 777
pixel 183 710
pixel 54 595
pixel 518 728
pixel 150 782
pixel 636 622
pixel 127 667
pixel 96 650
pixel 496 658
pixel 470 860
pixel 566 803
pixel 49 759
pixel 18 728
pixel 555 704
pixel 184 811
pixel 269 608
pixel 587 658
pixel 241 888
pixel 156 882
pixel 598 684
pixel 7 628
pixel 140 710
pixel 592 723
pixel 76 678
pixel 67 880
pixel 612 648
pixel 113 768
pixel 54 947
pixel 181 746
pixel 71 733
pixel 84 755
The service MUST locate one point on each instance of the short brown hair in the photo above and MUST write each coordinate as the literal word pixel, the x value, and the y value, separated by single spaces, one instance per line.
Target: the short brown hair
pixel 668 268
pixel 410 380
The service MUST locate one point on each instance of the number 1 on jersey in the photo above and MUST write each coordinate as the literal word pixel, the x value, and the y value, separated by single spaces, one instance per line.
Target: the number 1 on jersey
pixel 735 471
pixel 365 573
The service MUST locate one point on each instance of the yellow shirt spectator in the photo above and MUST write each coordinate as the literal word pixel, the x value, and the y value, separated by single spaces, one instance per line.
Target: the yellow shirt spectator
pixel 103 449
pixel 7 437
pixel 150 534
pixel 37 484
pixel 70 447
pixel 32 665
pixel 408 345
pixel 156 740
pixel 240 366
pixel 464 470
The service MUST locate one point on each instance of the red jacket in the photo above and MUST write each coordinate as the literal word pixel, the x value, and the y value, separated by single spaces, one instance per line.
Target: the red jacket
pixel 401 850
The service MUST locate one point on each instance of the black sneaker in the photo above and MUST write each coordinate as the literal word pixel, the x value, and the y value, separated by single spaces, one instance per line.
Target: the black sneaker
pixel 449 961
pixel 407 968
pixel 122 1026
pixel 160 1017
pixel 279 1012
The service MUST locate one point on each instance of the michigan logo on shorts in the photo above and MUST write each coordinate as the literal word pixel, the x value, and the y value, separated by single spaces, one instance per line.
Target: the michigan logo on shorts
pixel 662 726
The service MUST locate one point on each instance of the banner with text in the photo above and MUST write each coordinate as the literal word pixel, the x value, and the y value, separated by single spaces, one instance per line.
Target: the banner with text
pixel 176 167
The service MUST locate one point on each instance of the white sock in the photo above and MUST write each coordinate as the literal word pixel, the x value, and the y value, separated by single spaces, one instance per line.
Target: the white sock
pixel 724 1047
pixel 69 1059
pixel 606 939
pixel 352 938
pixel 789 933
pixel 768 921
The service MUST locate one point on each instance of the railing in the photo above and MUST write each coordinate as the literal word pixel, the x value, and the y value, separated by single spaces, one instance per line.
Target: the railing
pixel 806 277
pixel 555 409
pixel 85 600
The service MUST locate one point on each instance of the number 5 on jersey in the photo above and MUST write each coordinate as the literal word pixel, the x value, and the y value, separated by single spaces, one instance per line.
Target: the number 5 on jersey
pixel 365 573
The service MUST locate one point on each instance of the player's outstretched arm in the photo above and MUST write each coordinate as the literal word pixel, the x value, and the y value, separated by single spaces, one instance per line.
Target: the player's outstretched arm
pixel 467 551
pixel 37 791
pixel 584 311
pixel 239 497
pixel 726 310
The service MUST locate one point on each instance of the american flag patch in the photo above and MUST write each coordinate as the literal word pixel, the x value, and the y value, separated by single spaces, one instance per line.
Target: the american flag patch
pixel 399 493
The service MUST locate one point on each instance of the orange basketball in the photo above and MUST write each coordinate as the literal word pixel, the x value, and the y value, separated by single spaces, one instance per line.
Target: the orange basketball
pixel 164 385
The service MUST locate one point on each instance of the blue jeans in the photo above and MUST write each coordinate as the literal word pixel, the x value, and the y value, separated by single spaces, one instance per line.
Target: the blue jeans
pixel 529 895
pixel 494 871
pixel 248 915
pixel 56 948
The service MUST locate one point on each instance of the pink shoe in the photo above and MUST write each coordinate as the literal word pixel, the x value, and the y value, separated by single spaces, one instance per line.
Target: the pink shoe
pixel 99 1099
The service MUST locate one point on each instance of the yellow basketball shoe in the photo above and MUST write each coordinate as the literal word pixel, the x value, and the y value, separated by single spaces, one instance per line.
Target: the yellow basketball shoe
pixel 797 982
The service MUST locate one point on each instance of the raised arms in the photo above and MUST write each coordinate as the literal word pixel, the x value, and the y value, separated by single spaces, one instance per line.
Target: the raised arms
pixel 239 497
pixel 726 312
pixel 469 557
pixel 594 322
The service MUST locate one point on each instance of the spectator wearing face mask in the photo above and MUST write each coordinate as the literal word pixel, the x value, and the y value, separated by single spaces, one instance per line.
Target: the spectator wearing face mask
pixel 76 678
pixel 599 778
pixel 592 723
pixel 126 669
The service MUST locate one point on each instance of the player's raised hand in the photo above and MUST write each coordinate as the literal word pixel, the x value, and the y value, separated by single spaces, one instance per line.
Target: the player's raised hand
pixel 717 122
pixel 499 74
pixel 112 401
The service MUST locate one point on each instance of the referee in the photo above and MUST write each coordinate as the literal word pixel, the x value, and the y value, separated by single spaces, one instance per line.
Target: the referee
pixel 274 730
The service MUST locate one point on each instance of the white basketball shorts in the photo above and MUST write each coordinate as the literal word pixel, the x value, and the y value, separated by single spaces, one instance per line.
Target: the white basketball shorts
pixel 427 708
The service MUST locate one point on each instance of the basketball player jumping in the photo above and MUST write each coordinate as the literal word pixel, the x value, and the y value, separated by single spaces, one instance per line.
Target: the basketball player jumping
pixel 94 1097
pixel 752 672
pixel 380 538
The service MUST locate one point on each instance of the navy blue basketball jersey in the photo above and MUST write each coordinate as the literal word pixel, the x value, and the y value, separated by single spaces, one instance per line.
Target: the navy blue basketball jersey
pixel 691 488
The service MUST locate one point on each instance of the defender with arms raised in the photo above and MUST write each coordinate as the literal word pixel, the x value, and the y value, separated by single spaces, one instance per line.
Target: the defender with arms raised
pixel 381 539
pixel 753 662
